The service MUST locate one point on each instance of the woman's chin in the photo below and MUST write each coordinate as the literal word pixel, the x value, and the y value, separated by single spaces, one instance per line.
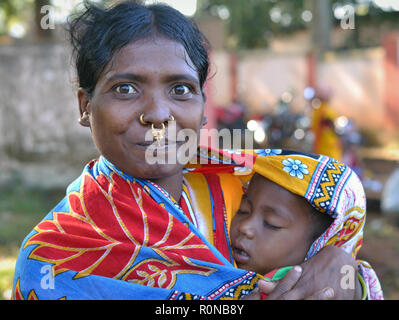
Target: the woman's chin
pixel 161 171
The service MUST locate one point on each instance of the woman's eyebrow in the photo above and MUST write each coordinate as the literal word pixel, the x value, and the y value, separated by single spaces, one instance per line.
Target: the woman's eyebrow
pixel 143 79
pixel 181 77
pixel 128 76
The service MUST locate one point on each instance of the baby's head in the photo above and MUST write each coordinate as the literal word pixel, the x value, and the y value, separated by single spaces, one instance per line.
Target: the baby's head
pixel 274 227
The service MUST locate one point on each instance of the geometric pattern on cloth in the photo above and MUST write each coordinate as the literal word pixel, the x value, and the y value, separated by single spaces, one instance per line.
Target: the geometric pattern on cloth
pixel 329 180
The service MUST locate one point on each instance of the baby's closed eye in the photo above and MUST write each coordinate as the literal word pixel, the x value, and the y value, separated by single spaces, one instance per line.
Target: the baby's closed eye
pixel 271 226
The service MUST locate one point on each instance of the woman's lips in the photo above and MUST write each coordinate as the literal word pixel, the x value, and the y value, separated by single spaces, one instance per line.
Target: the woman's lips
pixel 154 144
pixel 145 143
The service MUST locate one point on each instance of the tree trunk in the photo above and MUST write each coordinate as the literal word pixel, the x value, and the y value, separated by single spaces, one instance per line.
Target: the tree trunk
pixel 44 24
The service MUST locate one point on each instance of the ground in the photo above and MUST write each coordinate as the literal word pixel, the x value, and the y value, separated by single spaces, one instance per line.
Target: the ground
pixel 21 208
pixel 380 248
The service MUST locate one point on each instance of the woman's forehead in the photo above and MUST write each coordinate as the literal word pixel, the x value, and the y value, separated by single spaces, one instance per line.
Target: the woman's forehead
pixel 152 56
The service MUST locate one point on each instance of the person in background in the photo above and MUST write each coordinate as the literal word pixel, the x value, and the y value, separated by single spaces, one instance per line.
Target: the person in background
pixel 326 139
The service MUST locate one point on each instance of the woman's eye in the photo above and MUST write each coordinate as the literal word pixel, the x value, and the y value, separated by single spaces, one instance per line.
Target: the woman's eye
pixel 181 90
pixel 125 89
pixel 242 212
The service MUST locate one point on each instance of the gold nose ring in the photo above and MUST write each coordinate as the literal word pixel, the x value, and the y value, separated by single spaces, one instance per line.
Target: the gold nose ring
pixel 142 121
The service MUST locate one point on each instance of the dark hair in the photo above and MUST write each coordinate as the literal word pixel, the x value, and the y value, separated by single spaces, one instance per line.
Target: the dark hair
pixel 98 32
pixel 320 222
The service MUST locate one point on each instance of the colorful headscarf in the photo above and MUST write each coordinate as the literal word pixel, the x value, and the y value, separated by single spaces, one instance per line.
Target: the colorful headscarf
pixel 327 184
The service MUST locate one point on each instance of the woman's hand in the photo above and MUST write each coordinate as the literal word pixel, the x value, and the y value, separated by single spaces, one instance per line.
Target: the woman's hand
pixel 284 289
pixel 326 268
pixel 319 278
pixel 321 272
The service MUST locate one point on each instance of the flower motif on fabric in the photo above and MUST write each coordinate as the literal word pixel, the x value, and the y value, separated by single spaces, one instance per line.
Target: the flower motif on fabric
pixel 268 152
pixel 295 168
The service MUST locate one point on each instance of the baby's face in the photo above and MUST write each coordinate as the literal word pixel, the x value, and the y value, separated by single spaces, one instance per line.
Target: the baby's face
pixel 271 228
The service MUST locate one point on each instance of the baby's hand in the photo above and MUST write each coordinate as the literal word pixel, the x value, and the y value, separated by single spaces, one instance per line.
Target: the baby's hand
pixel 256 294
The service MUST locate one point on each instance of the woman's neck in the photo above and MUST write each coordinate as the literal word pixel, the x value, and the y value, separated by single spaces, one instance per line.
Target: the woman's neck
pixel 172 184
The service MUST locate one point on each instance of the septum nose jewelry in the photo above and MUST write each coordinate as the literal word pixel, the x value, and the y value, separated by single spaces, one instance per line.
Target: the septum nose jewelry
pixel 157 133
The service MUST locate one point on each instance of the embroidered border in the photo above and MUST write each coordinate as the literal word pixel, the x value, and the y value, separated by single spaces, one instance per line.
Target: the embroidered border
pixel 332 177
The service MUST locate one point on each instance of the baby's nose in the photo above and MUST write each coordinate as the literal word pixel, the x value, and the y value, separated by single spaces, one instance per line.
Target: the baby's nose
pixel 247 229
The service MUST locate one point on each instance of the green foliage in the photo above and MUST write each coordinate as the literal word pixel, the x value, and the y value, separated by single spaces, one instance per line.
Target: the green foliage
pixel 21 208
pixel 7 265
pixel 12 11
pixel 251 23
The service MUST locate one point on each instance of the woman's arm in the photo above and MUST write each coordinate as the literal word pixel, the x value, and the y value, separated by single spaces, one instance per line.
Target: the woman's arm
pixel 321 272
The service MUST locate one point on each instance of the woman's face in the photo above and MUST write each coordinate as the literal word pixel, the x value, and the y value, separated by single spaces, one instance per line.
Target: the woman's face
pixel 153 77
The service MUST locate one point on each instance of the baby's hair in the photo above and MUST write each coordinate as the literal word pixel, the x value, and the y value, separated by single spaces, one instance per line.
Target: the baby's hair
pixel 97 33
pixel 320 222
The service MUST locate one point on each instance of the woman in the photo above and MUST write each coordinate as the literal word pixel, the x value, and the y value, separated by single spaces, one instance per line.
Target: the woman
pixel 326 141
pixel 140 70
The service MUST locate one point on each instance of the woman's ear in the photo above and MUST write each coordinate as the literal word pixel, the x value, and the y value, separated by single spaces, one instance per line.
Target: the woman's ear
pixel 84 108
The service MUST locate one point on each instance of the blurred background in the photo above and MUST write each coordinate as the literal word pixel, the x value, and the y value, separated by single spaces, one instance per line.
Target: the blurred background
pixel 312 75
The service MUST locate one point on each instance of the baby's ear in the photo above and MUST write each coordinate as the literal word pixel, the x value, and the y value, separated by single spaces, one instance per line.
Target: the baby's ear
pixel 204 121
pixel 84 108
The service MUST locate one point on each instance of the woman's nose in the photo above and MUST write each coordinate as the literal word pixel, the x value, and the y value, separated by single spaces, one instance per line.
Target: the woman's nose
pixel 157 111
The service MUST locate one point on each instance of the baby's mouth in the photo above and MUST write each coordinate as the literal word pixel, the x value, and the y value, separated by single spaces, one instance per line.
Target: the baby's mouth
pixel 240 255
